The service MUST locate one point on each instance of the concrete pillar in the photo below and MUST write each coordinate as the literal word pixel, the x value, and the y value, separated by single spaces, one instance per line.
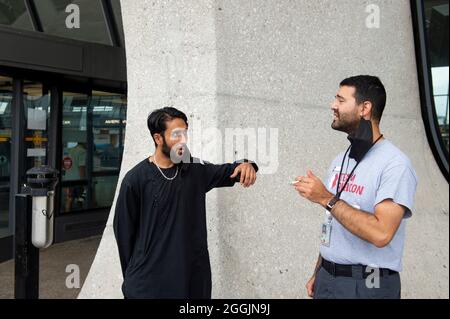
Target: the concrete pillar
pixel 276 64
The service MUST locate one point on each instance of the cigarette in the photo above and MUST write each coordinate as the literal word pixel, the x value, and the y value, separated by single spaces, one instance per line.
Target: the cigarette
pixel 294 183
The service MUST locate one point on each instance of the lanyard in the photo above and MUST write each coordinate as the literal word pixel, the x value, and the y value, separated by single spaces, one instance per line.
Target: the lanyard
pixel 339 192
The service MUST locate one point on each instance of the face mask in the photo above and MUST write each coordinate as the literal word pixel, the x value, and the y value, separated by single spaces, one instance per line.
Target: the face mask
pixel 361 140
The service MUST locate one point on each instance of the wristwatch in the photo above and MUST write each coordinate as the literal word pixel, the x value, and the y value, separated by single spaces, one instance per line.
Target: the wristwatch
pixel 331 203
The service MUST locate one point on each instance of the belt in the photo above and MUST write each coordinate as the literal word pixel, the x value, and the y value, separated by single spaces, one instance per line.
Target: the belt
pixel 337 270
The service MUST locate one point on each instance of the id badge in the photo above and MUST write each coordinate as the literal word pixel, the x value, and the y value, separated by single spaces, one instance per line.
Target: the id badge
pixel 326 234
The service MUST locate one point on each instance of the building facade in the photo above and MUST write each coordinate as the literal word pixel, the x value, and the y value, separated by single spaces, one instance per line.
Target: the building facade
pixel 62 103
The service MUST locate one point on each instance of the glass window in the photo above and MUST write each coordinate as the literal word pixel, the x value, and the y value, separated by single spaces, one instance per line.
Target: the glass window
pixel 36 101
pixel 104 190
pixel 14 13
pixel 436 15
pixel 93 28
pixel 93 137
pixel 5 152
pixel 108 116
pixel 74 161
pixel 109 112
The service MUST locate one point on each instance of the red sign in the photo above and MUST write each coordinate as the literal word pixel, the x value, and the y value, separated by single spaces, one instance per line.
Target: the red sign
pixel 67 163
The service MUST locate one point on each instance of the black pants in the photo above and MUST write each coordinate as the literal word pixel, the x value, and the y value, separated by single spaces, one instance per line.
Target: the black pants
pixel 327 286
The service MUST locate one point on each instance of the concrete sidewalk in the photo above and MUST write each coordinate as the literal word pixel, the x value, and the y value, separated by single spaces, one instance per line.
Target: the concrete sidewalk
pixel 53 263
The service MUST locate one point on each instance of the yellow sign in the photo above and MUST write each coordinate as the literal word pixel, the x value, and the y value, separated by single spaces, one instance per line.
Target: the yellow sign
pixel 37 140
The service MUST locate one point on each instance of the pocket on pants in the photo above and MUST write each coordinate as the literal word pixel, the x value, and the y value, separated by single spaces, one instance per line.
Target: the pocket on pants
pixel 323 286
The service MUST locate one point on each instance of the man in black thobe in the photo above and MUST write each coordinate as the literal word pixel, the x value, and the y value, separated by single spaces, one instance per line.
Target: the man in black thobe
pixel 160 215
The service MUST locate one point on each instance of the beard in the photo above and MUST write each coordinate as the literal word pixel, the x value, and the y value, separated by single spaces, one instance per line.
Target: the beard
pixel 165 148
pixel 346 123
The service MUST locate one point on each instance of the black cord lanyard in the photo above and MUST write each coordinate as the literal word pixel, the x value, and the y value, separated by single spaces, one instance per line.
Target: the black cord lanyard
pixel 339 192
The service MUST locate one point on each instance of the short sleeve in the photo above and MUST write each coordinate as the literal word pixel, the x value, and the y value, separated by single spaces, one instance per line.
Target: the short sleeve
pixel 399 184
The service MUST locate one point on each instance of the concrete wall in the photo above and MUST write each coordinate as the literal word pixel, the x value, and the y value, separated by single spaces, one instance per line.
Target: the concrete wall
pixel 276 64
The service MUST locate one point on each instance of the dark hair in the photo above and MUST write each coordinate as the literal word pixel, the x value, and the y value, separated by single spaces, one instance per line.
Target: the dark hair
pixel 156 121
pixel 368 88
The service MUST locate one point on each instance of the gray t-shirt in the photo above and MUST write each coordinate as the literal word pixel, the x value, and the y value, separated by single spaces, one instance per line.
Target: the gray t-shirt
pixel 384 173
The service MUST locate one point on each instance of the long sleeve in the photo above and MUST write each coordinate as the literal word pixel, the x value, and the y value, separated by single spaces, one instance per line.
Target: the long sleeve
pixel 126 223
pixel 219 175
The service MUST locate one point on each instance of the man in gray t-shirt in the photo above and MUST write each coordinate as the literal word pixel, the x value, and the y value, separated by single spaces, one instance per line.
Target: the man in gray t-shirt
pixel 368 196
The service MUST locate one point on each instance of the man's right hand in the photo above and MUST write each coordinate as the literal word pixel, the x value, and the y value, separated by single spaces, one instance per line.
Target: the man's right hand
pixel 310 286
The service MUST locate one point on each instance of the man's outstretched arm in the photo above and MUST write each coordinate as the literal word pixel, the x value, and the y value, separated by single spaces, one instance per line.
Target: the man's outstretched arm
pixel 226 175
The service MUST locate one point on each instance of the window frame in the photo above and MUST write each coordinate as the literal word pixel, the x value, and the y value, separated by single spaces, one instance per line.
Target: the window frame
pixel 428 108
pixel 107 13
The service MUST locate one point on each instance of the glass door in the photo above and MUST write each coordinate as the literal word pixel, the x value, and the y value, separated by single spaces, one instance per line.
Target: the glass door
pixel 24 143
pixel 36 101
pixel 108 134
pixel 74 172
pixel 93 131
pixel 6 97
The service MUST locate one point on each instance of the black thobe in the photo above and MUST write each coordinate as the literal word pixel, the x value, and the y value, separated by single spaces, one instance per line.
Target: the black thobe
pixel 160 229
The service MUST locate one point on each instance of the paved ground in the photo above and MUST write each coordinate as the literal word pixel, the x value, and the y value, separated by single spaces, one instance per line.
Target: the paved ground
pixel 53 263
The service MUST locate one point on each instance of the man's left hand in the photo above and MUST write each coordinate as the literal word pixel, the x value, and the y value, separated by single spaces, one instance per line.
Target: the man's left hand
pixel 312 188
pixel 248 174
